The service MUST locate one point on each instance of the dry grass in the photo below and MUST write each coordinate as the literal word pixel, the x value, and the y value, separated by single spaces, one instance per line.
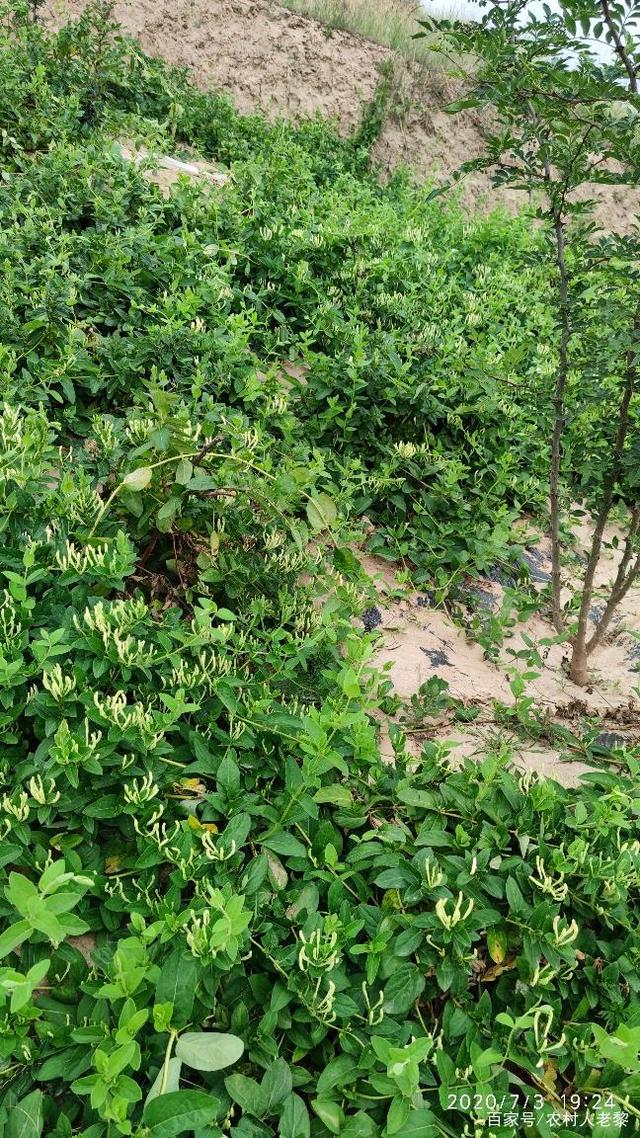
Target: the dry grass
pixel 389 22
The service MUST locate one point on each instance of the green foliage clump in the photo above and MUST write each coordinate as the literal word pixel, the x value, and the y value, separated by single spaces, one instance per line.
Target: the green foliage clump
pixel 418 331
pixel 222 912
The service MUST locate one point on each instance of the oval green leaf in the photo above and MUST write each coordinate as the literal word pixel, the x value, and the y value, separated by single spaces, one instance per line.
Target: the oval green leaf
pixel 330 1113
pixel 321 512
pixel 209 1050
pixel 179 1111
pixel 172 1080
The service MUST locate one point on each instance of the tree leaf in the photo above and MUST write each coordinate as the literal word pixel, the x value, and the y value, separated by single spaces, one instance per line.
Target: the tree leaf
pixel 184 471
pixel 276 1083
pixel 278 875
pixel 397 1114
pixel 335 795
pixel 321 512
pixel 209 1050
pixel 420 1124
pixel 248 1094
pixel 179 1111
pixel 497 944
pixel 138 479
pixel 517 903
pixel 402 989
pixel 285 844
pixel 330 1113
pixel 13 936
pixel 167 513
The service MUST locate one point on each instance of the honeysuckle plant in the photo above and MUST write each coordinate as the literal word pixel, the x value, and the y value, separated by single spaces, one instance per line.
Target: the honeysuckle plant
pixel 221 912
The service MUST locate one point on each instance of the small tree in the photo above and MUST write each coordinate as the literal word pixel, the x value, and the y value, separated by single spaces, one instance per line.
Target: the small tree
pixel 562 89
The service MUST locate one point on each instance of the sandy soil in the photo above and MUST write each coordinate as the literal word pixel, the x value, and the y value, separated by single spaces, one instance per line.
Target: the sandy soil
pixel 261 54
pixel 165 171
pixel 267 57
pixel 419 641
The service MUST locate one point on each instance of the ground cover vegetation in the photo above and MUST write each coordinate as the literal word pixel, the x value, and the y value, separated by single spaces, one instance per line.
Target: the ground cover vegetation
pixel 222 913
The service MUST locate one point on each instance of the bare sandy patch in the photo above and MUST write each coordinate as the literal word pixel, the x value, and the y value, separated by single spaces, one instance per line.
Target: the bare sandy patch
pixel 165 171
pixel 418 642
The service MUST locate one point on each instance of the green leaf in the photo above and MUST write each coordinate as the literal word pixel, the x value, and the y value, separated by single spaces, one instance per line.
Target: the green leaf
pixel 294 1120
pixel 321 512
pixel 26 1118
pixel 360 1125
pixel 397 1114
pixel 330 1113
pixel 184 471
pixel 21 892
pixel 285 844
pixel 174 1068
pixel 138 479
pixel 516 901
pixel 179 1111
pixel 336 1074
pixel 350 683
pixel 420 1124
pixel 445 973
pixel 335 795
pixel 402 989
pixel 176 985
pixel 248 1094
pixel 276 1083
pixel 14 936
pixel 166 514
pixel 209 1050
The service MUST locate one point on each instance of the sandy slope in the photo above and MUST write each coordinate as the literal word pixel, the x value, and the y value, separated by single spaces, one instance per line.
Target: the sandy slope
pixel 268 57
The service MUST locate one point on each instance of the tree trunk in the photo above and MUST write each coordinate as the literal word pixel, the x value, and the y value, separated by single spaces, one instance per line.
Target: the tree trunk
pixel 558 423
pixel 582 649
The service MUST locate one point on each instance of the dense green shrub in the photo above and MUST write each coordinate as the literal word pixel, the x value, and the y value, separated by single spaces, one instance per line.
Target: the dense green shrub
pixel 192 782
pixel 222 912
pixel 415 326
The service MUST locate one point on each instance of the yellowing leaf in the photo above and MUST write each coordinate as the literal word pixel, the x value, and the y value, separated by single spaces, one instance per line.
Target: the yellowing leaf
pixel 497 970
pixel 112 865
pixel 138 479
pixel 321 512
pixel 497 945
pixel 278 875
pixel 550 1075
pixel 191 785
pixel 195 824
pixel 391 900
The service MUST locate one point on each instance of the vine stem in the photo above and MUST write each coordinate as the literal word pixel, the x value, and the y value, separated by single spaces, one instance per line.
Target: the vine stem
pixel 203 452
pixel 167 1057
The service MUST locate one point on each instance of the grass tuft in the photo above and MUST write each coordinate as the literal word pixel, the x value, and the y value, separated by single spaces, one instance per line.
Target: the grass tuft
pixel 392 23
